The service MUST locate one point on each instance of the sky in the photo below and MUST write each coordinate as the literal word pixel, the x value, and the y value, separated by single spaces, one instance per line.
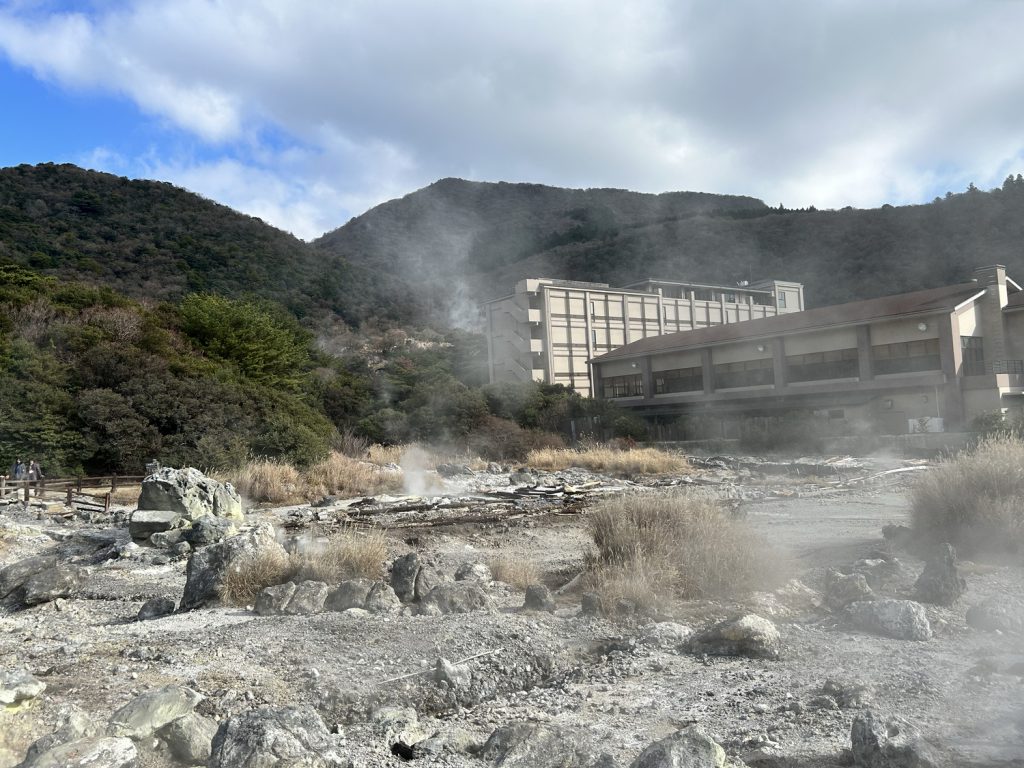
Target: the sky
pixel 307 113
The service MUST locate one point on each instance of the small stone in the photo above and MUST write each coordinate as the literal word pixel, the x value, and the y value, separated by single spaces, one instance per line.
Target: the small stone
pixel 665 634
pixel 999 613
pixel 842 589
pixel 688 748
pixel 428 578
pixel 458 597
pixel 143 523
pixel 273 600
pixel 19 685
pixel 455 675
pixel 156 607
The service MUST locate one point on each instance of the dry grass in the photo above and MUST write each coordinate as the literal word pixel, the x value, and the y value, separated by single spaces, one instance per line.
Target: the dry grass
pixel 518 572
pixel 249 576
pixel 385 454
pixel 973 500
pixel 632 461
pixel 651 547
pixel 126 495
pixel 342 475
pixel 266 480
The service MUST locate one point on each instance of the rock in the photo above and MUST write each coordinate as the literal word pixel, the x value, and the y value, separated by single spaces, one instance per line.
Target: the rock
pixel 453 470
pixel 842 589
pixel 166 539
pixel 521 477
pixel 688 748
pixel 156 607
pixel 404 571
pixel 940 582
pixel 398 727
pixel 91 752
pixel 454 675
pixel 533 745
pixel 889 743
pixel 665 634
pixel 19 685
pixel 428 578
pixel 901 619
pixel 16 574
pixel 181 550
pixel 190 738
pixel 900 535
pixel 999 613
pixel 269 736
pixel 878 570
pixel 207 567
pixel 848 694
pixel 209 530
pixel 273 600
pixel 381 599
pixel 145 522
pixel 749 635
pixel 144 715
pixel 591 604
pixel 76 724
pixel 190 493
pixel 309 598
pixel 474 572
pixel 458 597
pixel 538 598
pixel 46 586
pixel 349 594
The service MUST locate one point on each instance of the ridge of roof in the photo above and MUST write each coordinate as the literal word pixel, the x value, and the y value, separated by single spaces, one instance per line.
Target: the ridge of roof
pixel 916 302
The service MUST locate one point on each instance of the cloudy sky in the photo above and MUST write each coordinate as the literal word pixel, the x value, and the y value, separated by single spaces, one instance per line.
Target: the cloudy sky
pixel 307 112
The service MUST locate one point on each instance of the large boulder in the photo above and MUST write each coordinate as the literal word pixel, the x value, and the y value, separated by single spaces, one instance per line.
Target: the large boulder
pixel 46 586
pixel 940 582
pixel 19 685
pixel 889 743
pixel 207 567
pixel 749 635
pixel 841 589
pixel 999 613
pixel 209 530
pixel 143 523
pixel 901 619
pixel 538 598
pixel 146 714
pixel 404 571
pixel 190 494
pixel 89 752
pixel 190 738
pixel 533 745
pixel 688 748
pixel 268 736
pixel 292 599
pixel 349 594
pixel 17 573
pixel 455 597
pixel 75 724
pixel 381 599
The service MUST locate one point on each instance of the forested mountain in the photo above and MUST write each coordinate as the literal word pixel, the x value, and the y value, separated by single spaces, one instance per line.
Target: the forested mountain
pixel 469 239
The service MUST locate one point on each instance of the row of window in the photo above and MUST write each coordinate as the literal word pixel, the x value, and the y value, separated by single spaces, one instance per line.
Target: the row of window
pixel 631 385
pixel 906 356
pixel 818 366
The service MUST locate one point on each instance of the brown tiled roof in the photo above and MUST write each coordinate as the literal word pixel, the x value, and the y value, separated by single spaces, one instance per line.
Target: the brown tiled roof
pixel 916 303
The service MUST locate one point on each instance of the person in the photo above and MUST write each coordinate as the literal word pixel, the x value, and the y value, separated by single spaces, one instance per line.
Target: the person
pixel 19 470
pixel 35 475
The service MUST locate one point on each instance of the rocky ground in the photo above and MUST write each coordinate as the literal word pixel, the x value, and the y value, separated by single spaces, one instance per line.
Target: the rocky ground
pixel 561 687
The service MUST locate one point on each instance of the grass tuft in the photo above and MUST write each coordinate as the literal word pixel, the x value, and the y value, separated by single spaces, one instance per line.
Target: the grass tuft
pixel 517 572
pixel 249 575
pixel 632 461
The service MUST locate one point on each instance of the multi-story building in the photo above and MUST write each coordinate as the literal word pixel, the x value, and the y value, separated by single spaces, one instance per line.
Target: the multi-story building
pixel 547 330
pixel 928 360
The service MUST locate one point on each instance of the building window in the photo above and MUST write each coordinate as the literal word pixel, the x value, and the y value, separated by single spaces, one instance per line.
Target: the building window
pixel 593 338
pixel 702 294
pixel 729 298
pixel 906 356
pixel 817 366
pixel 749 373
pixel 679 380
pixel 781 298
pixel 973 355
pixel 631 385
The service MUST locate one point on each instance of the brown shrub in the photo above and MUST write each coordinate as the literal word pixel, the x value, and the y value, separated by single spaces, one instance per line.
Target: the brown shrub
pixel 499 439
pixel 601 458
pixel 343 475
pixel 266 480
pixel 518 572
pixel 351 554
pixel 973 500
pixel 250 575
pixel 683 544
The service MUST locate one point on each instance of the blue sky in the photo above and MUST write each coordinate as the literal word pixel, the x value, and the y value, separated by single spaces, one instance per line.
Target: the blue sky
pixel 307 113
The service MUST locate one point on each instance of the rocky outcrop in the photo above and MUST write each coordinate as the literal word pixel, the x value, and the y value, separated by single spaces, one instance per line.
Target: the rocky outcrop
pixel 456 597
pixel 190 494
pixel 940 583
pixel 292 736
pixel 749 635
pixel 901 619
pixel 532 745
pixel 89 752
pixel 292 599
pixel 889 743
pixel 146 714
pixel 688 748
pixel 207 567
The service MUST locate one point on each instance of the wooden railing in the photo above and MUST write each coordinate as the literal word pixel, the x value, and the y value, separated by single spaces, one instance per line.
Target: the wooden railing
pixel 67 487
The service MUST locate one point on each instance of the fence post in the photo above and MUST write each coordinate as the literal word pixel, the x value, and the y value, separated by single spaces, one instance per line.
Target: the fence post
pixel 106 504
pixel 78 485
pixel 113 483
pixel 26 491
pixel 68 502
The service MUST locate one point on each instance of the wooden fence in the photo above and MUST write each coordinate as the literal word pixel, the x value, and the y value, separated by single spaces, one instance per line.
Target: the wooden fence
pixel 68 488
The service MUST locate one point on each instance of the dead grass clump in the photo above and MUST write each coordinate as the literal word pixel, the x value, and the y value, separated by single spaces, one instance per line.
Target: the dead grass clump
pixel 352 554
pixel 126 495
pixel 251 574
pixel 342 475
pixel 267 480
pixel 633 461
pixel 972 500
pixel 679 544
pixel 518 572
pixel 385 454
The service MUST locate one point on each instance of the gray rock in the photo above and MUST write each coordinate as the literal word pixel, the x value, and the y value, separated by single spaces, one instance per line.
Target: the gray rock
pixel 190 738
pixel 281 737
pixel 749 635
pixel 46 586
pixel 999 613
pixel 190 493
pixel 156 607
pixel 538 598
pixel 166 539
pixel 309 597
pixel 428 578
pixel 209 530
pixel 182 549
pixel 878 570
pixel 16 574
pixel 381 599
pixel 665 634
pixel 688 748
pixel 457 597
pixel 591 604
pixel 349 594
pixel 848 694
pixel 474 572
pixel 521 477
pixel 533 745
pixel 453 675
pixel 90 752
pixel 453 470
pixel 204 574
pixel 889 743
pixel 404 571
pixel 145 522
pixel 842 589
pixel 146 714
pixel 940 583
pixel 19 685
pixel 900 619
pixel 273 600
pixel 75 724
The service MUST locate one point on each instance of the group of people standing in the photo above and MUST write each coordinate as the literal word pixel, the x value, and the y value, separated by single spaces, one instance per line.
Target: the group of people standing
pixel 30 472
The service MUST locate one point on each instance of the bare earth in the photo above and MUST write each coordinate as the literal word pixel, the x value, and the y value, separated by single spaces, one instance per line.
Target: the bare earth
pixel 963 688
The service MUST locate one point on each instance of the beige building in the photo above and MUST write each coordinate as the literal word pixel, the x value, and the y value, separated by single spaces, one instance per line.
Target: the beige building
pixel 925 361
pixel 547 330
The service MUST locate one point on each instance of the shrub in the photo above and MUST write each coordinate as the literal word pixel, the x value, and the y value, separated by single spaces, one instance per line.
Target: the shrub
pixel 267 480
pixel 603 458
pixel 518 572
pixel 351 554
pixel 682 544
pixel 342 475
pixel 973 500
pixel 499 439
pixel 251 574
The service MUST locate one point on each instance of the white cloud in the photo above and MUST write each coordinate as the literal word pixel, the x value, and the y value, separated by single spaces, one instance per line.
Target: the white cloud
pixel 827 104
